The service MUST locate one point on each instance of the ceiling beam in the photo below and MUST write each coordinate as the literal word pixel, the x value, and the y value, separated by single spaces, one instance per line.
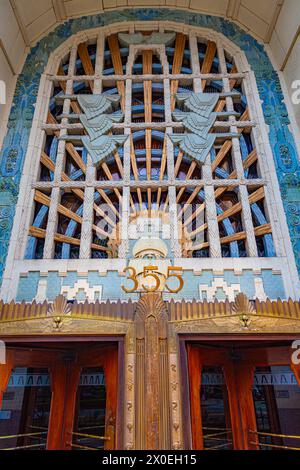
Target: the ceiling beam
pixel 20 22
pixel 59 10
pixel 273 21
pixel 233 8
pixel 2 48
pixel 290 50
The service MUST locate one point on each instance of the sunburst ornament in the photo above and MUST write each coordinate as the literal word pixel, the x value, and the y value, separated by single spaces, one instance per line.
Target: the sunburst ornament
pixel 58 310
pixel 59 307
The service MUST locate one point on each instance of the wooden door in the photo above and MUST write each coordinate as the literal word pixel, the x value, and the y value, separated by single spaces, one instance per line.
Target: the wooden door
pixel 221 403
pixel 243 384
pixel 96 368
pixel 67 388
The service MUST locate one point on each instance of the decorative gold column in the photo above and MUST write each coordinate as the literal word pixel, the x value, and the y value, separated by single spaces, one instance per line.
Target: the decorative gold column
pixel 152 376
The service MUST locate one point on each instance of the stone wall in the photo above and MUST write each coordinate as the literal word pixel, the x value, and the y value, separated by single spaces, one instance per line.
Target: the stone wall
pixel 270 93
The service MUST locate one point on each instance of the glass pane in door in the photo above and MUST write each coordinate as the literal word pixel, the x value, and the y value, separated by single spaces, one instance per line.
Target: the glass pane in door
pixel 216 423
pixel 24 415
pixel 276 397
pixel 89 422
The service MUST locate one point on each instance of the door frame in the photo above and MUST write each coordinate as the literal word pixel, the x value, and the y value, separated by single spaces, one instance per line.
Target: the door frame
pixel 242 415
pixel 20 355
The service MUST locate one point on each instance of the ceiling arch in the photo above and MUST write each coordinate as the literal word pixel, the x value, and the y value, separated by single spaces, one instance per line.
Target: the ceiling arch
pixel 36 18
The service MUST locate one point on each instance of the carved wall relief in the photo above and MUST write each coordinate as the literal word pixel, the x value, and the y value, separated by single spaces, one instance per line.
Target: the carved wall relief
pixel 152 378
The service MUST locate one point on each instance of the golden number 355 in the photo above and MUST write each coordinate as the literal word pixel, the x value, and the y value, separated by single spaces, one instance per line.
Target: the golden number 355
pixel 150 272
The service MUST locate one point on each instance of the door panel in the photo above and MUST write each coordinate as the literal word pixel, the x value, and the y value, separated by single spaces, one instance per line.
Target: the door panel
pixel 225 397
pixel 236 400
pixel 64 378
pixel 89 421
pixel 215 411
pixel 276 396
pixel 25 411
pixel 57 394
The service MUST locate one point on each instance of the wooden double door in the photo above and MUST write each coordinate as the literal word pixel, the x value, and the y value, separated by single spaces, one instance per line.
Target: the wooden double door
pixel 243 397
pixel 59 398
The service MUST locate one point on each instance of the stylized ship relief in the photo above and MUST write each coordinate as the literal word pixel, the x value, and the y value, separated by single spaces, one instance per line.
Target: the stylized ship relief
pixel 139 38
pixel 98 124
pixel 194 122
pixel 202 104
pixel 198 118
pixel 94 105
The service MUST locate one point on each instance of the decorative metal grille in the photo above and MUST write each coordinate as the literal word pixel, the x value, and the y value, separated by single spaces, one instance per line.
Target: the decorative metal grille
pixel 215 207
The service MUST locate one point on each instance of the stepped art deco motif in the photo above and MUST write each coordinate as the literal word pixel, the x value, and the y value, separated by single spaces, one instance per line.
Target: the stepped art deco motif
pixel 98 118
pixel 198 118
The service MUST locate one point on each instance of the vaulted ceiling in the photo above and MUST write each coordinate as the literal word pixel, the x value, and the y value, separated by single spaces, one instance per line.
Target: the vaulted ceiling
pixel 36 17
pixel 24 22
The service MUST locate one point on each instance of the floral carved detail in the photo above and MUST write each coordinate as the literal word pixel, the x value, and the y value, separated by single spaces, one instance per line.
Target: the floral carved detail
pixel 58 310
pixel 59 307
pixel 130 386
pixel 244 308
pixel 174 386
pixel 177 446
pixel 151 305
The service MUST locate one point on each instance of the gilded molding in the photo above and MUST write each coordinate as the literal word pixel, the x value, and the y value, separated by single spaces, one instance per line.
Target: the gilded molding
pixel 152 392
pixel 216 316
pixel 152 377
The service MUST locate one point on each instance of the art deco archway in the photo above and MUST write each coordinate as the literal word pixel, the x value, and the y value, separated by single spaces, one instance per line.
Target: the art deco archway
pixel 222 207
